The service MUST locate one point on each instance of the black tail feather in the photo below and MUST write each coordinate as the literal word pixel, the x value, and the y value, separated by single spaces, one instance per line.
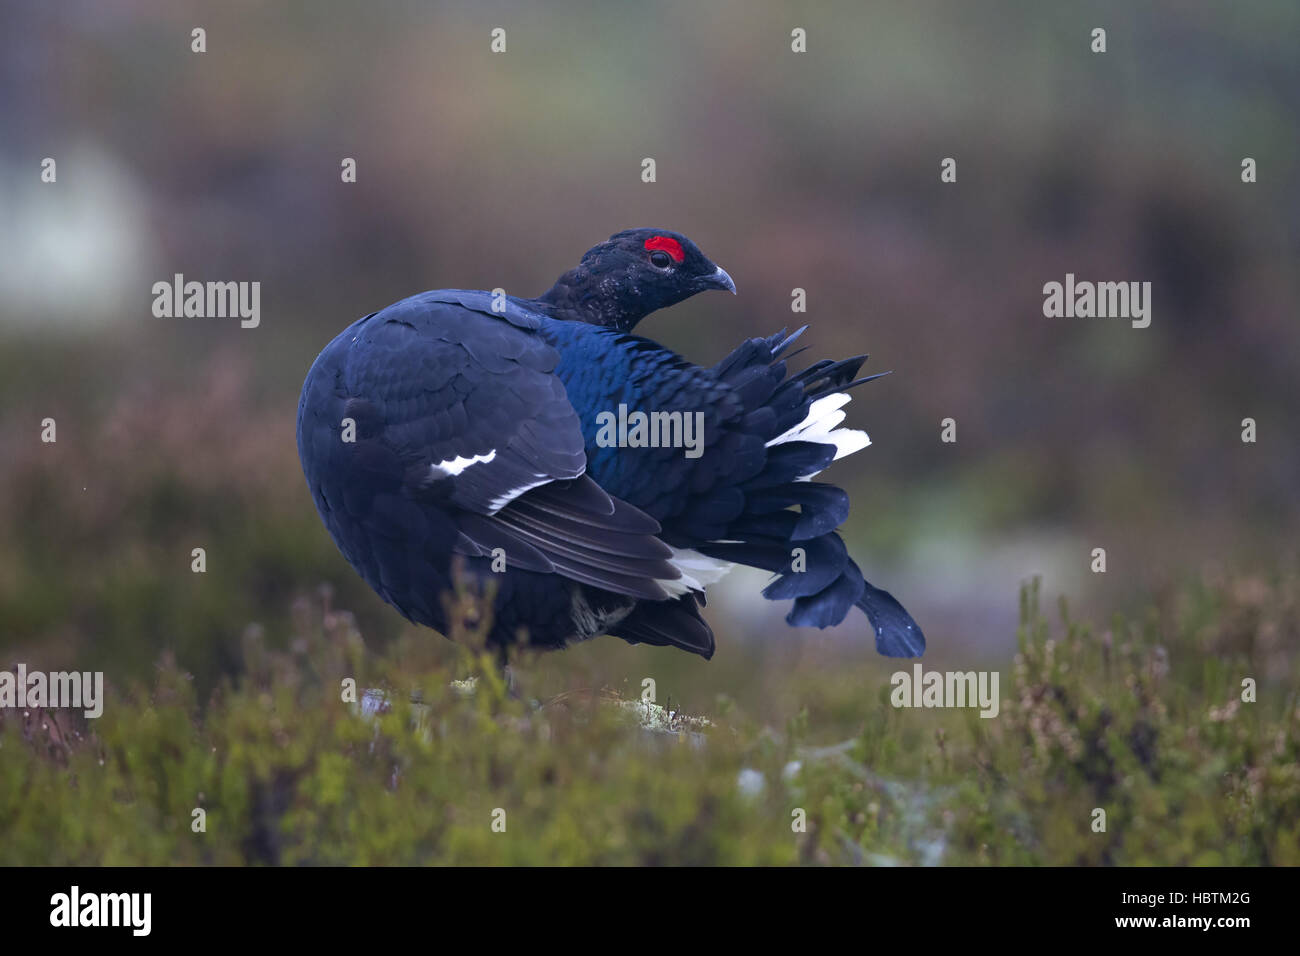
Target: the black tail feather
pixel 897 634
pixel 668 624
pixel 765 532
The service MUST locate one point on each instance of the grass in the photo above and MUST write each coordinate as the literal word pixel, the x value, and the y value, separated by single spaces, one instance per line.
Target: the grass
pixel 1141 719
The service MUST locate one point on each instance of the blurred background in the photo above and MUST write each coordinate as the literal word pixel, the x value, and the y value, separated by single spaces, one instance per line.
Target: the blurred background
pixel 817 170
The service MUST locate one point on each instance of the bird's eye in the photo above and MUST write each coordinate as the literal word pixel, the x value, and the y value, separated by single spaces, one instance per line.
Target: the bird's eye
pixel 660 259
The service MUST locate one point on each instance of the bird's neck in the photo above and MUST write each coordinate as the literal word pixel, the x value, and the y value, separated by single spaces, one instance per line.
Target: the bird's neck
pixel 578 297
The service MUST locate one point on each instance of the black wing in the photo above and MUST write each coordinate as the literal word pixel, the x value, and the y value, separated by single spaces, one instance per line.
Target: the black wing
pixel 455 408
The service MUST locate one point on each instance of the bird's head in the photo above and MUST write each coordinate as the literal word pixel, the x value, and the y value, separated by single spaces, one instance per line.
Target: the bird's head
pixel 631 274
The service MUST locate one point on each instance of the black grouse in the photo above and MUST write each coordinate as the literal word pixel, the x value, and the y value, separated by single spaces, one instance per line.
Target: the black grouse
pixel 601 481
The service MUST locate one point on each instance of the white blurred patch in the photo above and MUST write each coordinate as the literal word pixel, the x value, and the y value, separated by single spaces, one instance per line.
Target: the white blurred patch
pixel 75 251
pixel 751 783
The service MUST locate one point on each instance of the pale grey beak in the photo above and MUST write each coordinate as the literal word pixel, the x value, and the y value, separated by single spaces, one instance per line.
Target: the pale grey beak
pixel 719 280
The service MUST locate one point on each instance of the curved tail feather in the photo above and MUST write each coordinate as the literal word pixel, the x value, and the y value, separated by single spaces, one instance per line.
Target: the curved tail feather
pixel 799 416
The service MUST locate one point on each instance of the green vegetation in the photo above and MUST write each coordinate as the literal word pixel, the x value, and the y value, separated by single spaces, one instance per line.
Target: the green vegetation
pixel 1142 719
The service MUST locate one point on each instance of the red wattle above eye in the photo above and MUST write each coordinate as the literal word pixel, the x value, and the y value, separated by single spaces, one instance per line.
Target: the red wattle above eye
pixel 668 245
